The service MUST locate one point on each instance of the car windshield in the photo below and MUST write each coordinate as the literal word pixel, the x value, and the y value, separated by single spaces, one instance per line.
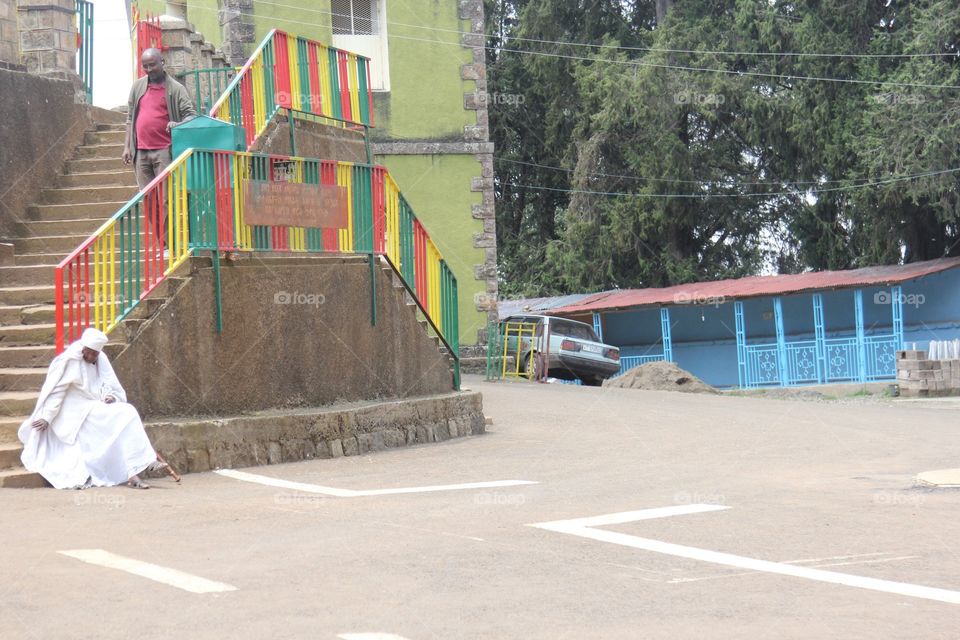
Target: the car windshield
pixel 572 329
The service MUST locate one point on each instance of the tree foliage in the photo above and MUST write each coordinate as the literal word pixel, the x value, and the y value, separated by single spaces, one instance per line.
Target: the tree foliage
pixel 627 165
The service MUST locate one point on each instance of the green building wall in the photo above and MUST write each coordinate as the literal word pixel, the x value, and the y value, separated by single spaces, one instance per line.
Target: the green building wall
pixel 438 189
pixel 425 101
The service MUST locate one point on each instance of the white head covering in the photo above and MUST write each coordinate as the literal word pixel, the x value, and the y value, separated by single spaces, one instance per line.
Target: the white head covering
pixel 94 339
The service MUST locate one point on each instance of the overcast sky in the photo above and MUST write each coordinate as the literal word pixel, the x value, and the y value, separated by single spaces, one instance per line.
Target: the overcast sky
pixel 112 56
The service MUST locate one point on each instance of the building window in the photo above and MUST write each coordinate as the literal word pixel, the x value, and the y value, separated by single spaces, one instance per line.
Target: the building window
pixel 354 17
pixel 360 26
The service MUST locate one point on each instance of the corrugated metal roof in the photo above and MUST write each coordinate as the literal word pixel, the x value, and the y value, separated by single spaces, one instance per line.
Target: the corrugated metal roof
pixel 507 308
pixel 755 286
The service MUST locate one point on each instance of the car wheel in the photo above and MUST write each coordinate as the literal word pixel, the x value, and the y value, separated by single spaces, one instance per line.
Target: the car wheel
pixel 532 371
pixel 592 381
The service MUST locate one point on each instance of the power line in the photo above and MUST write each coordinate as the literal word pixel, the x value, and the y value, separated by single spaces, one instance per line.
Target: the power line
pixel 758 74
pixel 703 196
pixel 641 178
pixel 790 77
pixel 489 36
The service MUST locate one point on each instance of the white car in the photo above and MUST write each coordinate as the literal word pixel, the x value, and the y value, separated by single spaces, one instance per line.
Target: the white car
pixel 574 351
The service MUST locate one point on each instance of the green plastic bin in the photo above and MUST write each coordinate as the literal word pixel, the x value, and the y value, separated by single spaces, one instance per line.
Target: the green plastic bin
pixel 204 132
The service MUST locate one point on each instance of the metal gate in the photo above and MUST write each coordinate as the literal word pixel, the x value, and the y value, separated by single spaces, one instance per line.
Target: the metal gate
pixel 85 45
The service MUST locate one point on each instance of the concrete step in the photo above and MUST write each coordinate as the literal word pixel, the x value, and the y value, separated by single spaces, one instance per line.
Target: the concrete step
pixel 100 151
pixel 21 479
pixel 8 429
pixel 39 334
pixel 28 295
pixel 86 194
pixel 17 403
pixel 88 165
pixel 102 210
pixel 41 314
pixel 110 117
pixel 10 456
pixel 44 244
pixel 33 259
pixel 120 126
pixel 22 379
pixel 10 314
pixel 26 356
pixel 126 178
pixel 42 228
pixel 20 276
pixel 105 136
pixel 19 314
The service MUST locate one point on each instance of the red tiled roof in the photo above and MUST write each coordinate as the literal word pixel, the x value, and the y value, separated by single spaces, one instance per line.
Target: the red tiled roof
pixel 756 286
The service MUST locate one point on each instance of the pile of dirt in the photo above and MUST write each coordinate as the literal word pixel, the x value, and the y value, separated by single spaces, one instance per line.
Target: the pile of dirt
pixel 660 376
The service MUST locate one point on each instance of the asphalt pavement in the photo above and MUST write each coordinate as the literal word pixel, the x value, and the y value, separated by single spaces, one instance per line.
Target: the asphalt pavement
pixel 582 513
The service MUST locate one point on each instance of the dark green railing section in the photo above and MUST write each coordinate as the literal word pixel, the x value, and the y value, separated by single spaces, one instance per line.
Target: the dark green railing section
pixel 85 45
pixel 207 85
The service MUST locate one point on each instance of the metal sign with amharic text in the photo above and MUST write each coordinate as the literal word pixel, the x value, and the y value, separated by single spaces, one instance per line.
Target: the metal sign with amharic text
pixel 294 204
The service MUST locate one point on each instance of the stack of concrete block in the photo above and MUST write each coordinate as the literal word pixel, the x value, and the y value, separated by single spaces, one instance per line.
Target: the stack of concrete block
pixel 919 376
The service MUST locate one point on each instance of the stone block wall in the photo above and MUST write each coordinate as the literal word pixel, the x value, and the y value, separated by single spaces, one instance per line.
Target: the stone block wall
pixel 920 377
pixel 185 49
pixel 43 123
pixel 47 35
pixel 9 39
pixel 197 445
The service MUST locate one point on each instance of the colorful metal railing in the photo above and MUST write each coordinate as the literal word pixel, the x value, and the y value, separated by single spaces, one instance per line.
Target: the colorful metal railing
pixel 104 279
pixel 290 72
pixel 198 203
pixel 85 45
pixel 207 85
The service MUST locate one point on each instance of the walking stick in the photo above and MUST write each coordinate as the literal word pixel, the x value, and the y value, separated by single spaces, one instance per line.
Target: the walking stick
pixel 170 469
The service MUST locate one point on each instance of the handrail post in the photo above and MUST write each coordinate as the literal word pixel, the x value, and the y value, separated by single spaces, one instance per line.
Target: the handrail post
pixel 366 143
pixel 293 136
pixel 215 254
pixel 373 291
pixel 58 297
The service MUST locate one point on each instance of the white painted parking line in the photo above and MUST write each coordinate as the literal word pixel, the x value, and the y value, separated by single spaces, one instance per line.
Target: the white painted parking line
pixel 165 575
pixel 349 493
pixel 582 527
pixel 370 636
pixel 829 564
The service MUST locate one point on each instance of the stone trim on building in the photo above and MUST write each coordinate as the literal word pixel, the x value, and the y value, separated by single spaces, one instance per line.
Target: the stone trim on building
pixel 236 24
pixel 475 40
pixel 430 148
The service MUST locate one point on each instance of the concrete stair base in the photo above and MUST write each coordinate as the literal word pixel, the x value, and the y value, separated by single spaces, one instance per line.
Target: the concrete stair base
pixel 302 434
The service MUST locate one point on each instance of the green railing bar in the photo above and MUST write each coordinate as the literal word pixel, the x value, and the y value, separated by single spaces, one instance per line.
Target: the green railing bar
pixel 293 137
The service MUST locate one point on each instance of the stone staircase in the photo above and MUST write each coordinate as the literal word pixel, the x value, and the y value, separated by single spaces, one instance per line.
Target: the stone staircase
pixel 94 184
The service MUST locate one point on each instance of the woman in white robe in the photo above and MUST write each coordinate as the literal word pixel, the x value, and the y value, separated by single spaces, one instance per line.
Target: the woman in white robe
pixel 82 432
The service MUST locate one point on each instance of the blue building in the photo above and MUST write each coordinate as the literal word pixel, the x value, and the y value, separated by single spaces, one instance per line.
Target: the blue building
pixel 788 330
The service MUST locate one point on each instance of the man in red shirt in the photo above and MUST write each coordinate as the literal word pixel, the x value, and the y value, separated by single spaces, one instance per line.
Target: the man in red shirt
pixel 156 103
